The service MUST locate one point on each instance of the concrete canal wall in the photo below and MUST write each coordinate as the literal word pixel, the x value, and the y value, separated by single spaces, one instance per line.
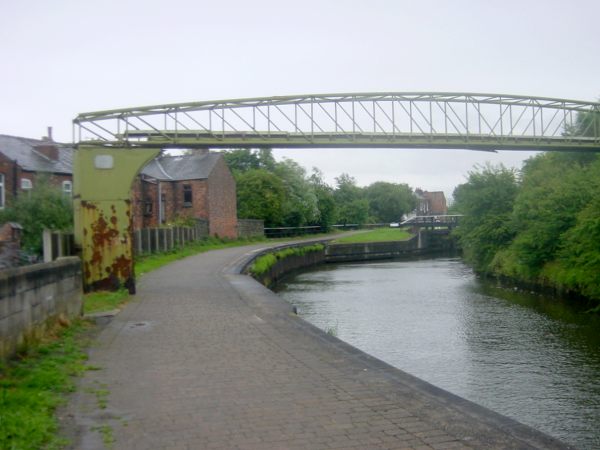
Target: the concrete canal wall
pixel 286 259
pixel 425 242
pixel 292 257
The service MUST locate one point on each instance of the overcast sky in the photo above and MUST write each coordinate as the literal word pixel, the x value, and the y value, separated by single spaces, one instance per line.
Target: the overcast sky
pixel 63 57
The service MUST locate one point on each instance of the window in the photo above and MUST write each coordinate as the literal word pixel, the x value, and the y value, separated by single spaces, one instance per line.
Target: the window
pixel 67 188
pixel 187 195
pixel 26 184
pixel 1 191
pixel 148 209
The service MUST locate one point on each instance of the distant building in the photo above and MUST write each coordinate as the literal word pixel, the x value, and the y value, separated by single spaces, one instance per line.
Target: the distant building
pixel 197 185
pixel 431 203
pixel 23 161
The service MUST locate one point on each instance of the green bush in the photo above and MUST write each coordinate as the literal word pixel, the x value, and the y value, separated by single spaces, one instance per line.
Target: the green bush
pixel 542 228
pixel 264 263
pixel 45 206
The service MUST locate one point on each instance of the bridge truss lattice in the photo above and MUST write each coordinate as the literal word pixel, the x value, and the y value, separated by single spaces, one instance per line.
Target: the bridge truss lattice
pixel 396 120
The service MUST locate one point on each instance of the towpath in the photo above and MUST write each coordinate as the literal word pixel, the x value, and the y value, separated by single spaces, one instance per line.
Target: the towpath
pixel 205 358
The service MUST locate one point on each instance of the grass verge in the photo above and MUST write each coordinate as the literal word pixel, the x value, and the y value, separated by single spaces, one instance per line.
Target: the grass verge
pixel 147 263
pixel 100 301
pixel 264 263
pixel 33 385
pixel 378 235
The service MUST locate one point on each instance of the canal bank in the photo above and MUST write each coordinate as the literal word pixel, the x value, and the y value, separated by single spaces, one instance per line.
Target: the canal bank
pixel 520 354
pixel 270 265
pixel 206 357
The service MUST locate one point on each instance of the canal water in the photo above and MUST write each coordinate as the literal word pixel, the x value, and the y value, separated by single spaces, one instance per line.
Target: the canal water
pixel 525 356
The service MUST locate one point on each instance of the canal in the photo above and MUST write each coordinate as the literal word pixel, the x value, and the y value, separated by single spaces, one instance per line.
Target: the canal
pixel 525 356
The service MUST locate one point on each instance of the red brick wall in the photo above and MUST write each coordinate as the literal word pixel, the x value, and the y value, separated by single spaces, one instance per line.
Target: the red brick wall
pixel 213 199
pixel 222 205
pixel 145 191
pixel 437 202
pixel 144 203
pixel 175 208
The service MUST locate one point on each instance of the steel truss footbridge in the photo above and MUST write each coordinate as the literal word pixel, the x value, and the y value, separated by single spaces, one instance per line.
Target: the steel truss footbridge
pixel 395 120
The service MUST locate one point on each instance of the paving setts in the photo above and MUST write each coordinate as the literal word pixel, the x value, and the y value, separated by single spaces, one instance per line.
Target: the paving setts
pixel 205 358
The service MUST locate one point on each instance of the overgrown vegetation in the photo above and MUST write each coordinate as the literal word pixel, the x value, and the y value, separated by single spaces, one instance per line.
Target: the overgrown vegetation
pixel 104 300
pixel 44 206
pixel 541 226
pixel 282 194
pixel 33 386
pixel 264 263
pixel 377 235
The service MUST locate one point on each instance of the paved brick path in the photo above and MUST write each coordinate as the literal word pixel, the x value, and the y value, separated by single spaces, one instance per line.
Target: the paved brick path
pixel 204 358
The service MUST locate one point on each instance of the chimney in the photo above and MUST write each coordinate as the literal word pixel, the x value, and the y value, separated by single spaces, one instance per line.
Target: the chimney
pixel 47 147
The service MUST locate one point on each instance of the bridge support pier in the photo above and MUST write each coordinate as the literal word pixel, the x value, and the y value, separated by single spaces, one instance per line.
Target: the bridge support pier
pixel 102 182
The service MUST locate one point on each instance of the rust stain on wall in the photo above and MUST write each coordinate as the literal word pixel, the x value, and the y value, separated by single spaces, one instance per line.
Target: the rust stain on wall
pixel 107 236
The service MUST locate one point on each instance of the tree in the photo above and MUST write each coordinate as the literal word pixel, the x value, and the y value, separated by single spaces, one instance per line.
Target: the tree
pixel 486 200
pixel 352 207
pixel 244 159
pixel 267 161
pixel 325 200
pixel 241 160
pixel 586 124
pixel 554 189
pixel 389 201
pixel 260 195
pixel 300 205
pixel 578 260
pixel 45 206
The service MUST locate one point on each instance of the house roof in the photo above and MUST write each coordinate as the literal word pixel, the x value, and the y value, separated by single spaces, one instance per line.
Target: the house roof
pixel 185 167
pixel 23 150
pixel 195 166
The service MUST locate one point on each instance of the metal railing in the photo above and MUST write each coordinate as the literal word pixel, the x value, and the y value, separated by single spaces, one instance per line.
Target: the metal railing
pixel 433 220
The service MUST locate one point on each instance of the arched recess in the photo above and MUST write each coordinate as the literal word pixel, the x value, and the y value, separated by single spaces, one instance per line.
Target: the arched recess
pixel 102 182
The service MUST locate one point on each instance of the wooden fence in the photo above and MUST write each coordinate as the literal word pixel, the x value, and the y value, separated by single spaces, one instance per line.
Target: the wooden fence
pixel 146 240
pixel 164 239
pixel 57 244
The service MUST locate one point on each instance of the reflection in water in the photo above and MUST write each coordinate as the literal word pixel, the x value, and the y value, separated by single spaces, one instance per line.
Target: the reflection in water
pixel 524 356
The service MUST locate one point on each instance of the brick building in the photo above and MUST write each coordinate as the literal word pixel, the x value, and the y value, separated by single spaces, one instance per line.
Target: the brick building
pixel 197 185
pixel 24 161
pixel 431 203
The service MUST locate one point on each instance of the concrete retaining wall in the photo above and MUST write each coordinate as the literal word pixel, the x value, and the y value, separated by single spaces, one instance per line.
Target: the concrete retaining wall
pixel 32 297
pixel 425 243
pixel 289 263
pixel 371 251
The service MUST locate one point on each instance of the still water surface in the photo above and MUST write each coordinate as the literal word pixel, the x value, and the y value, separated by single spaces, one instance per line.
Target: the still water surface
pixel 522 355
